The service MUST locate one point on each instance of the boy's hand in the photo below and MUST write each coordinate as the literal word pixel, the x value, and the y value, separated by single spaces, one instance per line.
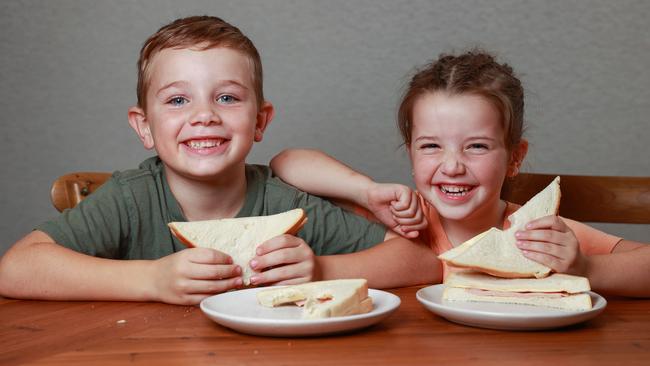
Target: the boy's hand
pixel 189 276
pixel 397 207
pixel 284 260
pixel 549 241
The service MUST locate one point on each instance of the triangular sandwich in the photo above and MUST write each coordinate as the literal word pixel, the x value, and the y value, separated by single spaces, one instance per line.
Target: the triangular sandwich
pixel 238 237
pixel 495 252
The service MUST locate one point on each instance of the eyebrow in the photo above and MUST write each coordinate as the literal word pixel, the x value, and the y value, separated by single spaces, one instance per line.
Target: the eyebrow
pixel 182 83
pixel 469 138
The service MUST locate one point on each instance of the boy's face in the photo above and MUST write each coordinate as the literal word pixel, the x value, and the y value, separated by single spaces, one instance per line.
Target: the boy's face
pixel 202 115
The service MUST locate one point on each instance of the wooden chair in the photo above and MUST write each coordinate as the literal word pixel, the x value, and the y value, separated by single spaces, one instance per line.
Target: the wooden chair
pixel 584 198
pixel 68 190
pixel 589 198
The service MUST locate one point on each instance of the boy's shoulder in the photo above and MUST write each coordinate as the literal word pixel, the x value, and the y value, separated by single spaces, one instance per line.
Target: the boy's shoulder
pixel 263 175
pixel 147 170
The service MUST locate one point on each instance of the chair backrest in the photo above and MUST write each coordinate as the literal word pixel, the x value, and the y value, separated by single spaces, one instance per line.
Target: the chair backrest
pixel 584 198
pixel 68 190
pixel 589 198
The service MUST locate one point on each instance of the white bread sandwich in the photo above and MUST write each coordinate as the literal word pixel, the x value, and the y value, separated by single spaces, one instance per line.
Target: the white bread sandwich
pixel 559 291
pixel 495 252
pixel 321 299
pixel 238 237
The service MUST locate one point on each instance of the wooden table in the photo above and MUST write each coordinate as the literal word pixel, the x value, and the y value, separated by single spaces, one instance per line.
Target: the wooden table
pixel 117 333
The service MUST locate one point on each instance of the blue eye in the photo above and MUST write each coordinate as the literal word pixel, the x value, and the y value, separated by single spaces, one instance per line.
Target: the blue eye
pixel 177 101
pixel 226 99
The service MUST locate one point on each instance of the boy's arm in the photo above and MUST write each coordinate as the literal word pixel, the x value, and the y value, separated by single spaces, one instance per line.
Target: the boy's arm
pixel 396 262
pixel 38 268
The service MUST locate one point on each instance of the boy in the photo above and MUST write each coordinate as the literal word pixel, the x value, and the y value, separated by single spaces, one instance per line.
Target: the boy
pixel 201 106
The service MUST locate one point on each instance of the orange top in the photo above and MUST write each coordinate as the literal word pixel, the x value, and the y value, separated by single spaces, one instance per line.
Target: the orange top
pixel 591 240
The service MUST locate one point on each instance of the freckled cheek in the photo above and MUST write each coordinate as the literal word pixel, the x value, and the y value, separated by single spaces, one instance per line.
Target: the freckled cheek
pixel 423 171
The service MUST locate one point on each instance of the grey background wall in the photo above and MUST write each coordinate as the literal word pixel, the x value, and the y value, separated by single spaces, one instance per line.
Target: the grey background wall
pixel 334 70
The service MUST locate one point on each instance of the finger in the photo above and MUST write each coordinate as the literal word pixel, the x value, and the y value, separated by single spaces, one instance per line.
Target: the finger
pixel 276 243
pixel 280 257
pixel 416 227
pixel 407 221
pixel 214 272
pixel 552 222
pixel 408 211
pixel 192 287
pixel 550 249
pixel 406 233
pixel 556 264
pixel 292 272
pixel 548 236
pixel 207 256
pixel 403 199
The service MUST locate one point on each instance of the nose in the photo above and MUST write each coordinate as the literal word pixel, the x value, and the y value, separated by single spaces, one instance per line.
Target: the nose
pixel 453 164
pixel 204 114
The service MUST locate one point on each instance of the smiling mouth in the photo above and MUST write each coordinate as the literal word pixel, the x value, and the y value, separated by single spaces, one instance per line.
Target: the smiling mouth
pixel 457 191
pixel 204 144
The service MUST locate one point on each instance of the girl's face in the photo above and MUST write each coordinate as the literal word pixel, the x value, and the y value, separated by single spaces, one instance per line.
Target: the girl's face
pixel 458 154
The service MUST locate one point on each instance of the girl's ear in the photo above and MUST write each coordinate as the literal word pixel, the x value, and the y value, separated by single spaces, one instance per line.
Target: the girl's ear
pixel 140 124
pixel 517 156
pixel 264 118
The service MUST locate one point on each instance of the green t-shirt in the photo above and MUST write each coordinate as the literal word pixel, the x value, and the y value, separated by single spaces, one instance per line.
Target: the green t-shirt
pixel 126 218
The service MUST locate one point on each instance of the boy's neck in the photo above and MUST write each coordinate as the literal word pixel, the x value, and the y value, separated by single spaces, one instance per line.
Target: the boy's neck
pixel 208 200
pixel 459 231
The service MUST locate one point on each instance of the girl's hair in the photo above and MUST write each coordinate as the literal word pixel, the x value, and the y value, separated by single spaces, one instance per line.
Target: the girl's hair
pixel 474 72
pixel 202 32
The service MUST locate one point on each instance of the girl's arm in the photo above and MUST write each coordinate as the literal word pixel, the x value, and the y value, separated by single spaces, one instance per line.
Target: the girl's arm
pixel 315 172
pixel 625 272
pixel 396 262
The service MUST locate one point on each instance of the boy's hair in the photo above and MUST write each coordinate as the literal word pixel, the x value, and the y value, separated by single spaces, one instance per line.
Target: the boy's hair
pixel 474 72
pixel 202 32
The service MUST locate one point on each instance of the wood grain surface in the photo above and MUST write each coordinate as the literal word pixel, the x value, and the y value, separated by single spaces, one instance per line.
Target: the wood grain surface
pixel 118 333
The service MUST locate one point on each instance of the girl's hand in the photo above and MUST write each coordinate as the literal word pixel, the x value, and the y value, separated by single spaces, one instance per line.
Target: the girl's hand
pixel 549 241
pixel 397 207
pixel 189 276
pixel 284 260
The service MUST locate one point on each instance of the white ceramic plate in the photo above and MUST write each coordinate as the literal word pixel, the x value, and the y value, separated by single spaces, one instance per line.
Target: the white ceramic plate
pixel 240 311
pixel 505 316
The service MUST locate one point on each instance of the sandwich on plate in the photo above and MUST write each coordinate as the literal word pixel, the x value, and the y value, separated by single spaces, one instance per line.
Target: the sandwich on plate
pixel 559 291
pixel 495 270
pixel 321 299
pixel 495 251
pixel 238 237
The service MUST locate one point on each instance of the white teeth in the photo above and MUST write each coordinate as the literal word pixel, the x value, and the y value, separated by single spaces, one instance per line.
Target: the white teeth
pixel 455 190
pixel 204 144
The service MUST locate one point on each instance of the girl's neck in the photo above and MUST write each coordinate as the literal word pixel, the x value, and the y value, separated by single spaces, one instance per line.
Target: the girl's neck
pixel 218 198
pixel 459 231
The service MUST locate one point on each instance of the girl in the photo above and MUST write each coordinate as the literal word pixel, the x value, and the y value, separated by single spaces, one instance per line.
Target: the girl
pixel 461 119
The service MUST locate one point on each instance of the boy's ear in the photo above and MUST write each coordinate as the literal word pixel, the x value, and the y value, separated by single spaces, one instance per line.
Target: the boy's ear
pixel 264 118
pixel 140 124
pixel 517 156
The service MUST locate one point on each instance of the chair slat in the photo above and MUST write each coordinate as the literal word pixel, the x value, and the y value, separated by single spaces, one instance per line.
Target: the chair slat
pixel 590 198
pixel 68 190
